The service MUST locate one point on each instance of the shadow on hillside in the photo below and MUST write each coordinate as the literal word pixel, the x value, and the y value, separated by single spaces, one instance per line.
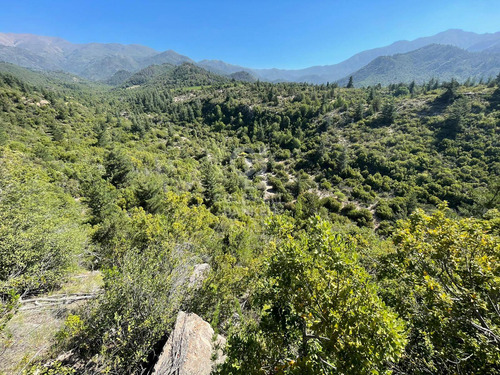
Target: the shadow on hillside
pixel 494 100
pixel 436 107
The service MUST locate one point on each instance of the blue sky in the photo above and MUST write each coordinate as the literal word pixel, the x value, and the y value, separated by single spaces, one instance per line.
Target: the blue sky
pixel 284 34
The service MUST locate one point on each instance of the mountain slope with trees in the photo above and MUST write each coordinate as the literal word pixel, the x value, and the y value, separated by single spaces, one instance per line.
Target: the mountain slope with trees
pixel 435 61
pixel 351 230
pixel 95 61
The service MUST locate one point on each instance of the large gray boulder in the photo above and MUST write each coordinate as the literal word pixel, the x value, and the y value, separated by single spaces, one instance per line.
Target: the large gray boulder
pixel 191 349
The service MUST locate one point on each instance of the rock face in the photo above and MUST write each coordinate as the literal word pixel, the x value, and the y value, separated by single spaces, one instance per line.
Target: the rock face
pixel 199 275
pixel 191 348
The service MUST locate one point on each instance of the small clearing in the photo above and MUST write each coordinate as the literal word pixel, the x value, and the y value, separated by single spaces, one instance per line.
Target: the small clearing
pixel 32 330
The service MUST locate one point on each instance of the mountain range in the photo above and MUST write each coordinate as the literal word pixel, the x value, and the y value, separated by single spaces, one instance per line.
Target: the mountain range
pixel 469 41
pixel 449 54
pixel 94 61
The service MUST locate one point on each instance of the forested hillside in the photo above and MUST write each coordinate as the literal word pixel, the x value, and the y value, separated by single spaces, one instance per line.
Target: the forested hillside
pixel 348 231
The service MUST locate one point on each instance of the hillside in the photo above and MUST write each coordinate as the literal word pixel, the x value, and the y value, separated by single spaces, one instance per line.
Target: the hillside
pixel 145 75
pixel 95 61
pixel 167 75
pixel 243 76
pixel 321 214
pixel 118 78
pixel 64 82
pixel 435 61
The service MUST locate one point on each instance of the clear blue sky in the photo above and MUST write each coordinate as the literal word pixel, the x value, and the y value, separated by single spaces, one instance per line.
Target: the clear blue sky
pixel 273 33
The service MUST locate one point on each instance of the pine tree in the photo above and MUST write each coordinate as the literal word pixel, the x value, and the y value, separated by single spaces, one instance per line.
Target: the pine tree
pixel 389 113
pixel 350 84
pixel 359 111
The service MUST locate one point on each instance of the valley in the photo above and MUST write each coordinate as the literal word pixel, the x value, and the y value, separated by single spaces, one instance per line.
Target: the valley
pixel 311 226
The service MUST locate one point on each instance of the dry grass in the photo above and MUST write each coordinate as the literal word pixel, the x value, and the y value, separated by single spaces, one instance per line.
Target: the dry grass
pixel 32 332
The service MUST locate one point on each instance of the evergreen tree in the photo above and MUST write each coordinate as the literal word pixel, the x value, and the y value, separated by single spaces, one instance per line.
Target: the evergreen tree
pixel 350 84
pixel 388 115
pixel 451 92
pixel 359 111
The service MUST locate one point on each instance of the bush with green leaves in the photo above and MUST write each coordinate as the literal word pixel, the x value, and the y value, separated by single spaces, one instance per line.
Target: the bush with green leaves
pixel 153 258
pixel 444 280
pixel 318 311
pixel 41 231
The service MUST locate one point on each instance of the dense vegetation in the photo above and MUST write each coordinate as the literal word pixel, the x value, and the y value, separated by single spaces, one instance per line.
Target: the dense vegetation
pixel 348 231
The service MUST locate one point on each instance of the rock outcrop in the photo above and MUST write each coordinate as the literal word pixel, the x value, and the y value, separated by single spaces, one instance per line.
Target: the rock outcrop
pixel 191 349
pixel 199 274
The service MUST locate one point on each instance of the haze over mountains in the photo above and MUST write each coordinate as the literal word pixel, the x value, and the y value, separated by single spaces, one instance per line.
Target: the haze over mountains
pixel 450 54
pixel 433 61
pixel 95 61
